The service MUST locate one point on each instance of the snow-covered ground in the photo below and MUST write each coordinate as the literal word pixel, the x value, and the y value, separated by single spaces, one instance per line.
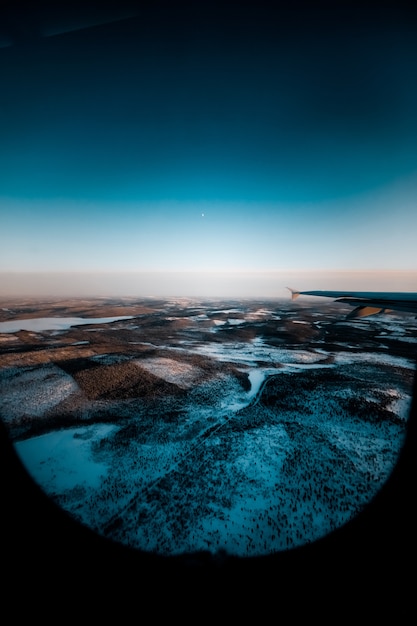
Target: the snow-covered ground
pixel 171 370
pixel 250 469
pixel 230 475
pixel 33 391
pixel 252 352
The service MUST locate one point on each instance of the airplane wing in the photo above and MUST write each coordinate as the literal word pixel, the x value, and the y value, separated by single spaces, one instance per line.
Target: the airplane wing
pixel 368 302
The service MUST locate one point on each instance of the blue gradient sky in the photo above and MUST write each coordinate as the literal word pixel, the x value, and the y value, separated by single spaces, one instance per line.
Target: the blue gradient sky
pixel 216 141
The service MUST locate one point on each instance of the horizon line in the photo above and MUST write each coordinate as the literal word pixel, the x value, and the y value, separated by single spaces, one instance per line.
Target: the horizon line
pixel 218 271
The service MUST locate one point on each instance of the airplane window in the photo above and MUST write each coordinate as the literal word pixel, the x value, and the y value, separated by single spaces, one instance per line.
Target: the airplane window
pixel 166 175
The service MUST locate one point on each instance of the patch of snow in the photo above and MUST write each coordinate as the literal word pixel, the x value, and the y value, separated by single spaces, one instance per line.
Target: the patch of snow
pixel 395 328
pixel 261 314
pixel 310 366
pixel 183 301
pixel 348 358
pixel 250 353
pixel 227 311
pixel 28 391
pixel 182 374
pixel 405 339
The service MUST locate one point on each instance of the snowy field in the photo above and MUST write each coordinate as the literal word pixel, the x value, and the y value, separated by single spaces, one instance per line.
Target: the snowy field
pixel 209 428
pixel 29 391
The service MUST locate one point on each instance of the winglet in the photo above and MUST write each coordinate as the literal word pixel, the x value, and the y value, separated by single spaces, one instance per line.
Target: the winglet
pixel 294 293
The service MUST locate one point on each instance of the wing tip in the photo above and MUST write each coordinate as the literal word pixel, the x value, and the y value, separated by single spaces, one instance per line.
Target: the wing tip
pixel 294 293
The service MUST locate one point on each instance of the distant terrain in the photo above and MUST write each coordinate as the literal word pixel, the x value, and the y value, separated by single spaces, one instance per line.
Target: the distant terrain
pixel 180 425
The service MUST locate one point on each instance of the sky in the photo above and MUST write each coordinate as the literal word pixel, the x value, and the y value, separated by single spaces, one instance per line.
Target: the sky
pixel 208 151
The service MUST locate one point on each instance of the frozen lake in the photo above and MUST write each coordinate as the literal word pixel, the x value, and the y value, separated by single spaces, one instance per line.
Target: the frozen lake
pixel 62 459
pixel 39 324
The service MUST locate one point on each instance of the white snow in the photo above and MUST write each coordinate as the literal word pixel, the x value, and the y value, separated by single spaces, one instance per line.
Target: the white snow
pixel 406 339
pixel 227 311
pixel 250 353
pixel 371 357
pixel 33 391
pixel 171 370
